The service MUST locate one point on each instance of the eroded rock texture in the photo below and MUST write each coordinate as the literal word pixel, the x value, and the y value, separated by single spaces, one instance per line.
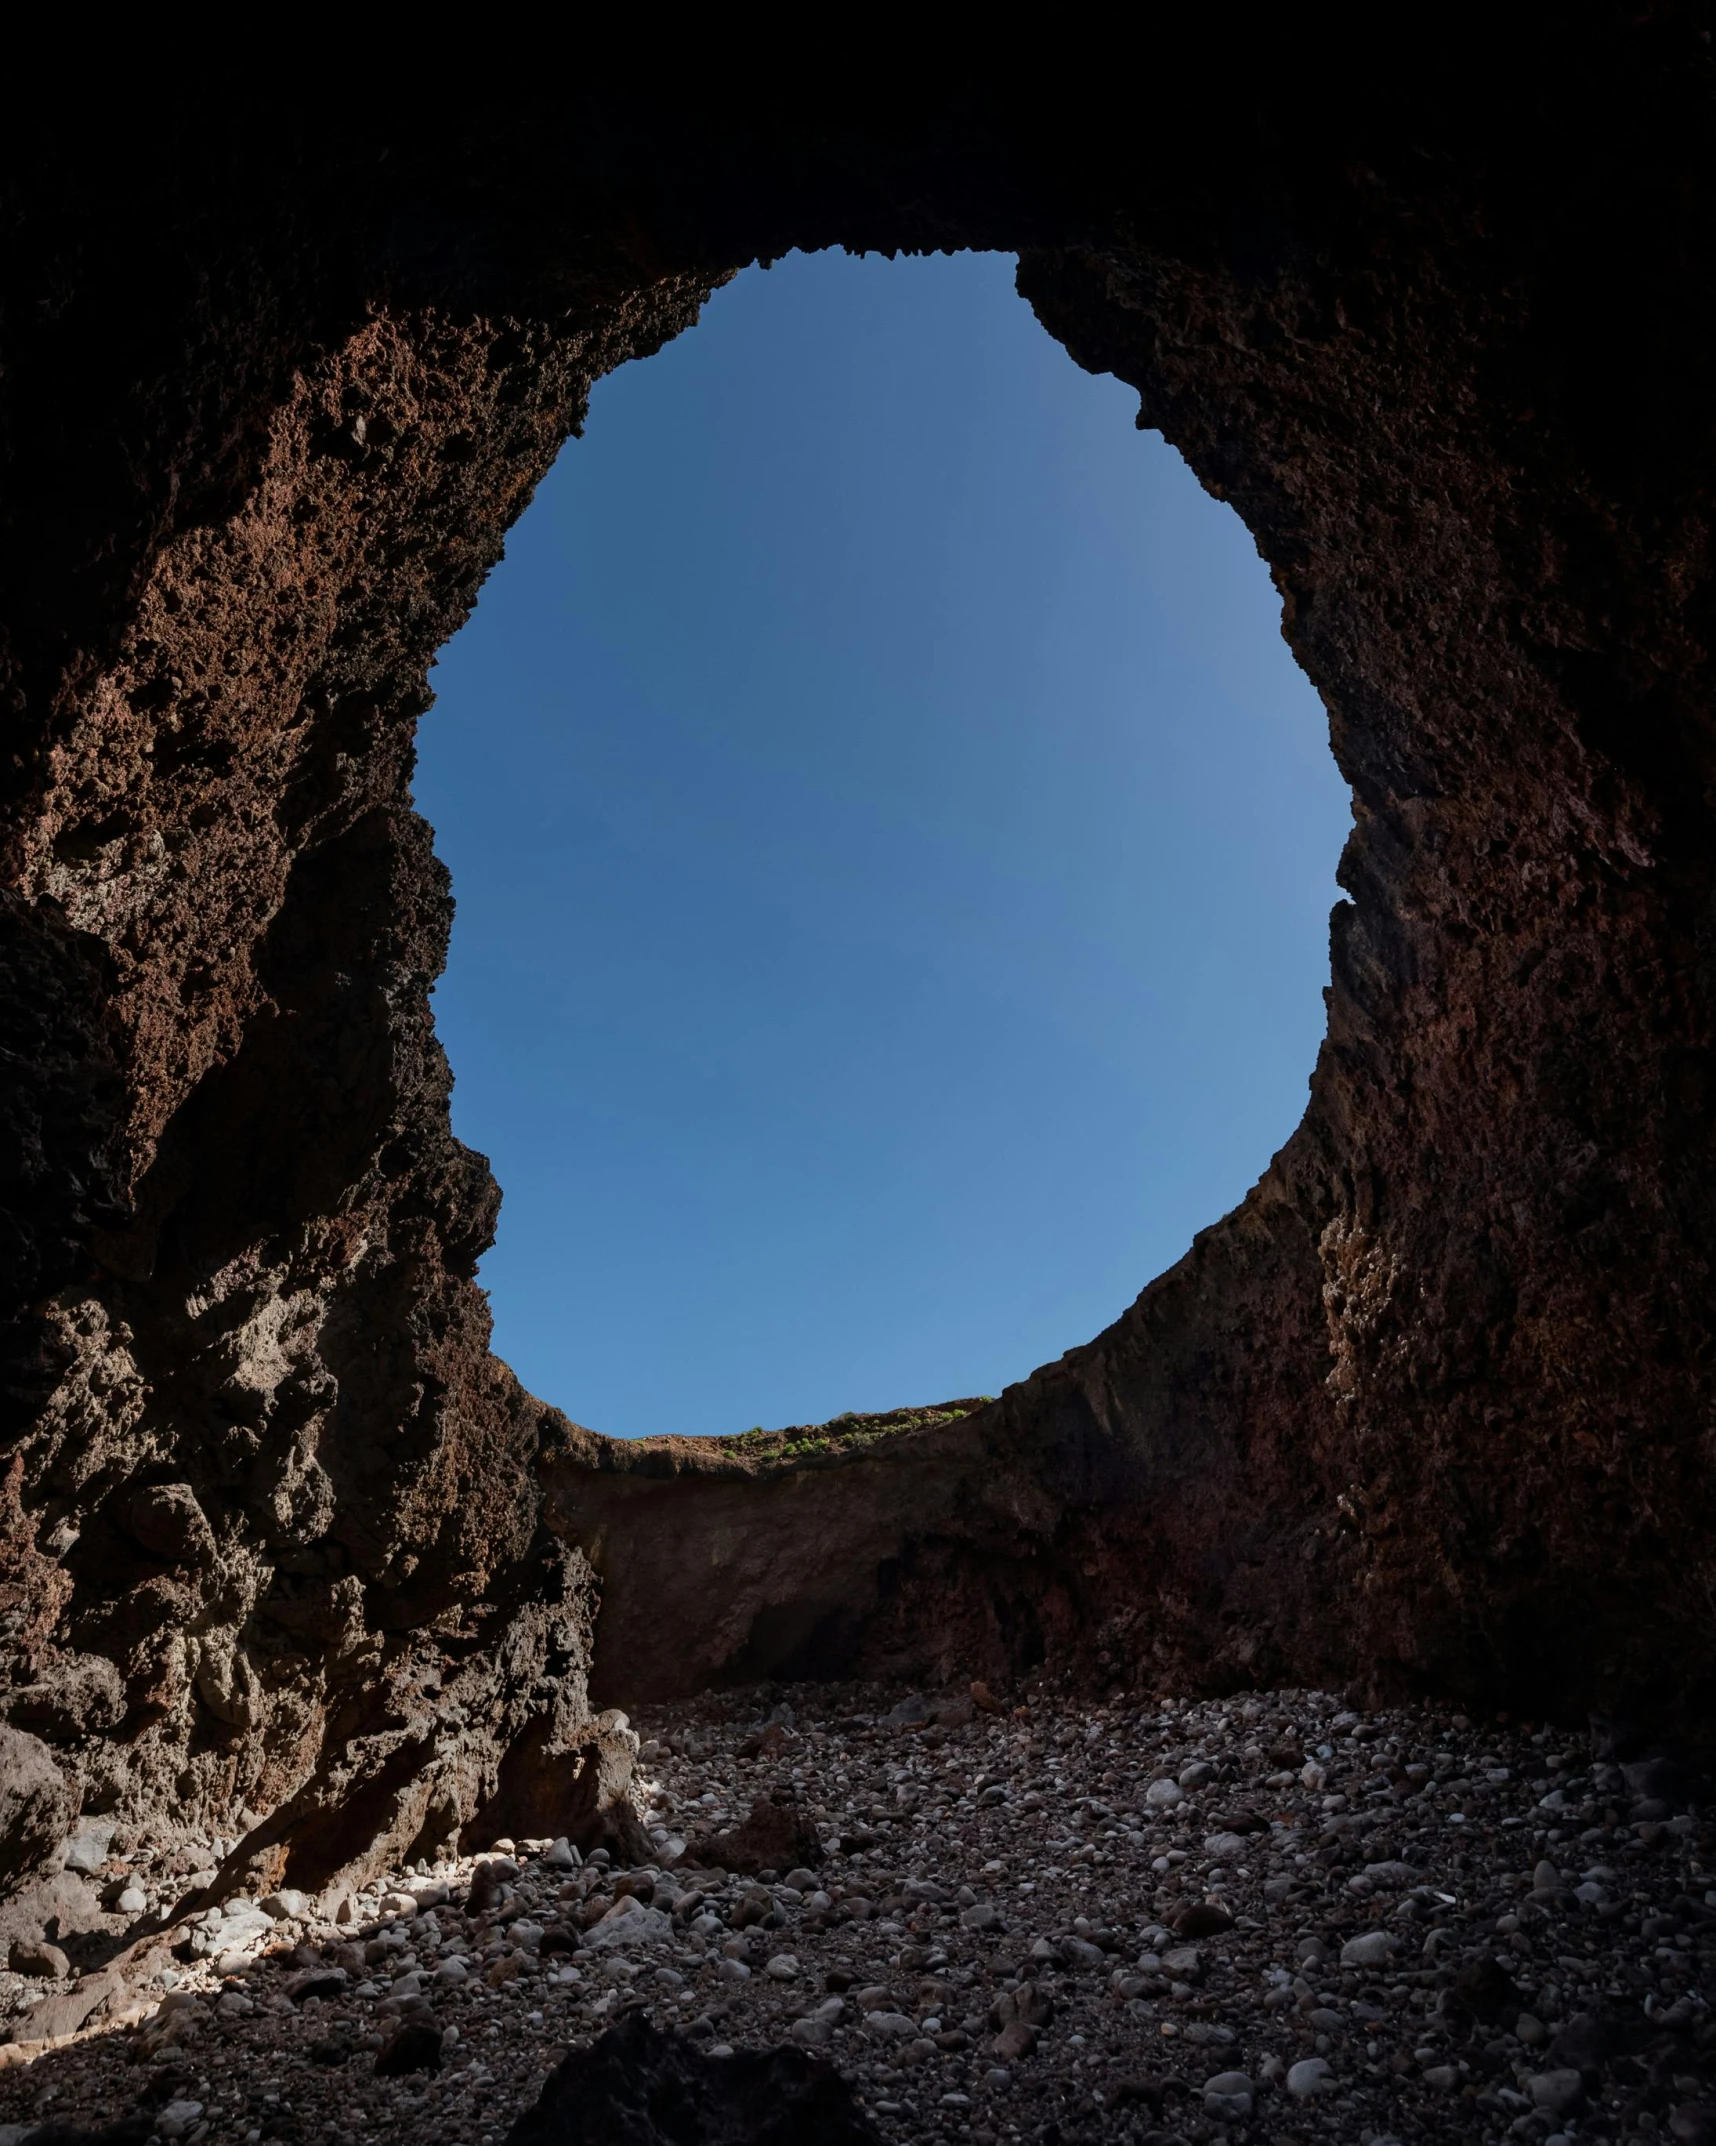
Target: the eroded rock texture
pixel 285 1550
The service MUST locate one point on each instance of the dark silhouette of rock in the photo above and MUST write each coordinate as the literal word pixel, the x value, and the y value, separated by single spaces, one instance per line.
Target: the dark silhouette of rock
pixel 636 2086
pixel 414 2045
pixel 1486 1990
pixel 772 1836
pixel 1427 1411
pixel 1590 2040
pixel 1202 1918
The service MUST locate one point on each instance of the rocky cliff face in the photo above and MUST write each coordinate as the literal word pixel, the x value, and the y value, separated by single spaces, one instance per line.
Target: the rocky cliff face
pixel 275 1547
pixel 284 1551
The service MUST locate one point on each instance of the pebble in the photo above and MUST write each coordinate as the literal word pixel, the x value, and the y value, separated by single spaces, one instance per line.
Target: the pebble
pixel 1557 2093
pixel 1311 2075
pixel 1229 2097
pixel 1068 1916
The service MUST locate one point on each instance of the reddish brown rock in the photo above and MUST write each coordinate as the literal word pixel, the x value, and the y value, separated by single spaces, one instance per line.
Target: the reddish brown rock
pixel 773 1836
pixel 37 1806
pixel 283 1550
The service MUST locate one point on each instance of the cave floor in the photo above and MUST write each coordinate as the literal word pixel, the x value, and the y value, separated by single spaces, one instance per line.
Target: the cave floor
pixel 1028 1919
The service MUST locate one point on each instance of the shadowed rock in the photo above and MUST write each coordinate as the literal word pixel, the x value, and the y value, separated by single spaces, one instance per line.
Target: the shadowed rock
pixel 636 2086
pixel 774 1835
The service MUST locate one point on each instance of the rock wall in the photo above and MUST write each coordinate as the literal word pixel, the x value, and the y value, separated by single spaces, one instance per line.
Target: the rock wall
pixel 285 1552
pixel 275 1551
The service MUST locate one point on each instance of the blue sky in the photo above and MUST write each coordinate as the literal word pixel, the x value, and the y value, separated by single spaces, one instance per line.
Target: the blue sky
pixel 893 850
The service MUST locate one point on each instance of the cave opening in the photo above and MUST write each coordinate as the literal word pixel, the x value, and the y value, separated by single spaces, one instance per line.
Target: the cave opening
pixel 893 847
pixel 1427 1412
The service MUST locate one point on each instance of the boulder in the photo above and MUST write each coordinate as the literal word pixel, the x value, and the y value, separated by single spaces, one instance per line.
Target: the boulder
pixel 38 1806
pixel 638 2084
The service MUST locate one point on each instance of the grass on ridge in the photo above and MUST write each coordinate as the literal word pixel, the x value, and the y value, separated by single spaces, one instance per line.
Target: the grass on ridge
pixel 843 1433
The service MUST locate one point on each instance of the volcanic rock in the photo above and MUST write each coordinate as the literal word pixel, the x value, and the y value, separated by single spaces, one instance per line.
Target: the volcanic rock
pixel 277 376
pixel 414 2045
pixel 37 1805
pixel 640 2087
pixel 775 1836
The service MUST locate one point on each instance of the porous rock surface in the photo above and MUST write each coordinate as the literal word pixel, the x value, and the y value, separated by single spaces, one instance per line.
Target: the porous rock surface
pixel 285 1555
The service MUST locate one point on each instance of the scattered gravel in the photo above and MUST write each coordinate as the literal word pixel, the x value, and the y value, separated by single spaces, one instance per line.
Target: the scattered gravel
pixel 1268 1918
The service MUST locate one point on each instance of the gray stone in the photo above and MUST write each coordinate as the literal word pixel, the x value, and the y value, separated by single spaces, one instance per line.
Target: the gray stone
pixel 67 2013
pixel 86 1851
pixel 34 1956
pixel 629 1923
pixel 1311 2075
pixel 913 1713
pixel 316 1982
pixel 1374 1949
pixel 1556 2093
pixel 1229 2097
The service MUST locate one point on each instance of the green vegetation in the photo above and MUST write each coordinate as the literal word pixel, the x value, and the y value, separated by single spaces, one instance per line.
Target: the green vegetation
pixel 845 1433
